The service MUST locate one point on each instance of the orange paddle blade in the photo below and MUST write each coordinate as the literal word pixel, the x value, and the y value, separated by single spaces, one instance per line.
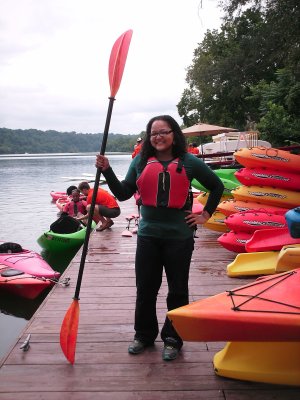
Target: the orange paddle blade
pixel 68 331
pixel 117 61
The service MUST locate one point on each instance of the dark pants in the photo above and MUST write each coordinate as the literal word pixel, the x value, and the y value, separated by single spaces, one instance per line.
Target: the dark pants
pixel 152 255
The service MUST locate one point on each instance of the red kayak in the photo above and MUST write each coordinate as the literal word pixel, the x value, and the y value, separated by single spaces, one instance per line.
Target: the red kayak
pixel 266 310
pixel 269 177
pixel 270 239
pixel 56 195
pixel 235 241
pixel 251 221
pixel 21 284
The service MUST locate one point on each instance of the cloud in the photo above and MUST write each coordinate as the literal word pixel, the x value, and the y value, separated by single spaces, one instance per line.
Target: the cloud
pixel 54 61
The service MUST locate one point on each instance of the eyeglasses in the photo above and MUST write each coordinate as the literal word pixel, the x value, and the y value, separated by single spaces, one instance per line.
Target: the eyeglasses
pixel 161 133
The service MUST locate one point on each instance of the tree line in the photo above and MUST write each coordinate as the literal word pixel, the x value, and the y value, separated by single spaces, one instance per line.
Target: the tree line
pixel 246 75
pixel 32 141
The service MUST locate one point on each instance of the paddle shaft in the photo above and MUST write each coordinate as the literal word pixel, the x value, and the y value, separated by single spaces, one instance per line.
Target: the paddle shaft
pixel 93 202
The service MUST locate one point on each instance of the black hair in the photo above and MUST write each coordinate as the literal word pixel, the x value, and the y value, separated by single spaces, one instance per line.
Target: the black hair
pixel 70 189
pixel 179 145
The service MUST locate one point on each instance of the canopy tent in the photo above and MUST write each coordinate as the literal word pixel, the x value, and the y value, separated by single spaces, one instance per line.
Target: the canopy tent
pixel 201 129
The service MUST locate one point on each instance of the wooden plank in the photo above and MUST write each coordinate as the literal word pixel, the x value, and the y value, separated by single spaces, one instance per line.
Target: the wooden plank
pixel 103 367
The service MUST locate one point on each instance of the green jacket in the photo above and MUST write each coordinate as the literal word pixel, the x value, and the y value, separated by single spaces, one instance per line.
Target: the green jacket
pixel 162 222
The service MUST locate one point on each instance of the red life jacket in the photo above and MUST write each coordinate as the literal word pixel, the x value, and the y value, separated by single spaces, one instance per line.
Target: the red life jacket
pixel 161 186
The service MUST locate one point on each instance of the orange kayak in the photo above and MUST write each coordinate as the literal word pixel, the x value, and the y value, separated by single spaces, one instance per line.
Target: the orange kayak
pixel 268 157
pixel 266 310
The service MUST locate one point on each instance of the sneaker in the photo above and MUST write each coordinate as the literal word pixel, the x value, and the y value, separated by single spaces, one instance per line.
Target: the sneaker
pixel 169 353
pixel 136 347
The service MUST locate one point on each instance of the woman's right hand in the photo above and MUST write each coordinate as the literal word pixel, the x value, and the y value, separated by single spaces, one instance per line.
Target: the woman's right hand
pixel 102 162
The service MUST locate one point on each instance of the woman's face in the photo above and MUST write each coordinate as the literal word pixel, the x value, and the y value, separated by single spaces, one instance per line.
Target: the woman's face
pixel 161 136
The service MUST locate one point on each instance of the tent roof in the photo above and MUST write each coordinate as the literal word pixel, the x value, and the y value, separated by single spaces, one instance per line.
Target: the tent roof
pixel 201 129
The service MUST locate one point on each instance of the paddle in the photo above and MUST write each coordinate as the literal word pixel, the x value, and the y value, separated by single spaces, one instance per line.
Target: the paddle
pixel 69 328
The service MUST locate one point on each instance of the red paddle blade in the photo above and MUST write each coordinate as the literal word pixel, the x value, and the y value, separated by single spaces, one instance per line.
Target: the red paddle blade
pixel 117 61
pixel 68 331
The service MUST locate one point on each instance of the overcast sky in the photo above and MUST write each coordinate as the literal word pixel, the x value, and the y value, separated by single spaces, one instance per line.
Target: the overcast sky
pixel 54 58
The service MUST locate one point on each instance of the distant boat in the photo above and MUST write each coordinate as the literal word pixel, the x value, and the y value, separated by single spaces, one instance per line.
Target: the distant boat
pixel 232 141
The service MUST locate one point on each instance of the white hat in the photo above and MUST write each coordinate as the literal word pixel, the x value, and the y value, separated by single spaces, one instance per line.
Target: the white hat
pixel 139 139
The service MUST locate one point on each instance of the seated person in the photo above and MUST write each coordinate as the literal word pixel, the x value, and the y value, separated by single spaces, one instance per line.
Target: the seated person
pixel 106 206
pixel 76 207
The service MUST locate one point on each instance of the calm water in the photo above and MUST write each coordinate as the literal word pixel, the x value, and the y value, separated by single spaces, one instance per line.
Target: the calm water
pixel 26 211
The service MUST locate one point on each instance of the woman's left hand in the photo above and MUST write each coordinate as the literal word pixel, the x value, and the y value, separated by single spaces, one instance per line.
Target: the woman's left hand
pixel 196 219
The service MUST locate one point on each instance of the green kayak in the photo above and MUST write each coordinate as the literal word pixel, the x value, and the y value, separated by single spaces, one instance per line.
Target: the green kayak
pixel 228 186
pixel 63 241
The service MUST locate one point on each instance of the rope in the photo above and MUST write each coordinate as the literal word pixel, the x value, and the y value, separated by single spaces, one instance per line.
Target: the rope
pixel 280 279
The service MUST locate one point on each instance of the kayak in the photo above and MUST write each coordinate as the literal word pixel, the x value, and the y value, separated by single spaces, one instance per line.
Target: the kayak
pixel 265 262
pixel 250 221
pixel 267 362
pixel 258 263
pixel 232 206
pixel 21 284
pixel 202 198
pixel 293 221
pixel 235 241
pixel 267 195
pixel 268 157
pixel 56 195
pixel 216 222
pixel 269 177
pixel 289 256
pixel 197 206
pixel 228 186
pixel 267 309
pixel 270 239
pixel 63 241
pixel 227 173
pixel 30 263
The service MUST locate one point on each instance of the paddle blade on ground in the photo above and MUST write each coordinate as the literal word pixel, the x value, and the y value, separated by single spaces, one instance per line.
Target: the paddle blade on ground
pixel 68 331
pixel 117 61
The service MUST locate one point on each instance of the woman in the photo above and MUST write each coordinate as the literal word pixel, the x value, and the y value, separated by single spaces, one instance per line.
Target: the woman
pixel 162 173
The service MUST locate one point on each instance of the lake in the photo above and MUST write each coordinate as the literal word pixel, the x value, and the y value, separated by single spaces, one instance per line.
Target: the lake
pixel 27 210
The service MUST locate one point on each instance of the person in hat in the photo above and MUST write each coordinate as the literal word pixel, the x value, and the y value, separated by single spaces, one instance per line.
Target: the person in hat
pixel 137 147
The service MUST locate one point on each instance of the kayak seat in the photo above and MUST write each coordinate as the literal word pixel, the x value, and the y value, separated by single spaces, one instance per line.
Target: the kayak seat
pixel 11 272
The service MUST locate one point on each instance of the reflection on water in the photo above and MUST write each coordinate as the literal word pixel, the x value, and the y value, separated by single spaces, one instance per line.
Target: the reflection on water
pixel 58 261
pixel 27 211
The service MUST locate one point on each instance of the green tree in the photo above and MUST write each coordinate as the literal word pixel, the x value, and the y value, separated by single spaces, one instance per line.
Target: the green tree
pixel 235 71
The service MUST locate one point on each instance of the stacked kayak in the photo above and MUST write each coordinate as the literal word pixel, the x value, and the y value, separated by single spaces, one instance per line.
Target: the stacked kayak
pixel 228 178
pixel 265 262
pixel 232 206
pixel 268 157
pixel 217 222
pixel 243 225
pixel 53 241
pixel 25 273
pixel 270 187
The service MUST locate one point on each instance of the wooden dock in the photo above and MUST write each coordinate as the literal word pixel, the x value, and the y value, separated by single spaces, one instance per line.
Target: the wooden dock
pixel 103 368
